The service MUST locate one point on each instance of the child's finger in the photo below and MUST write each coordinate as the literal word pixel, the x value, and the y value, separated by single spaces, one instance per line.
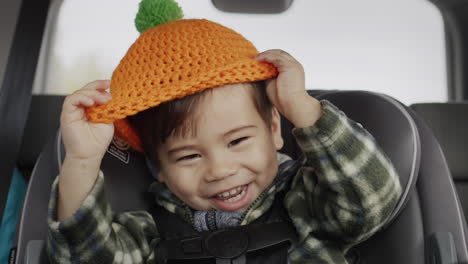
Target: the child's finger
pixel 82 98
pixel 75 101
pixel 100 85
pixel 280 59
pixel 100 97
pixel 281 53
pixel 273 56
pixel 280 63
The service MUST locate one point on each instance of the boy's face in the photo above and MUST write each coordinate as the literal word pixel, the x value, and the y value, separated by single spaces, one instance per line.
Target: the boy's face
pixel 230 159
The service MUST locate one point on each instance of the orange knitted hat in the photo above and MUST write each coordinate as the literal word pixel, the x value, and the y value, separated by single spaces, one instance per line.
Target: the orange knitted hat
pixel 173 60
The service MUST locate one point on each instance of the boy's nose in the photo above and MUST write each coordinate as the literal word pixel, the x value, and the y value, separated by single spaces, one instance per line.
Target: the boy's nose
pixel 219 169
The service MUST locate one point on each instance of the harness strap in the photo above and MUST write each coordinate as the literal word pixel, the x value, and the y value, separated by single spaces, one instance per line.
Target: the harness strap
pixel 265 240
pixel 170 226
pixel 268 238
pixel 227 244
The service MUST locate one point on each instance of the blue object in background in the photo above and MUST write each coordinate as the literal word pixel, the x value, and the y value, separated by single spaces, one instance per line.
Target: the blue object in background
pixel 10 216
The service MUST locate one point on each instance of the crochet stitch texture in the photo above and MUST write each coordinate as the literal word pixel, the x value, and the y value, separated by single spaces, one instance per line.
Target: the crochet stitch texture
pixel 174 60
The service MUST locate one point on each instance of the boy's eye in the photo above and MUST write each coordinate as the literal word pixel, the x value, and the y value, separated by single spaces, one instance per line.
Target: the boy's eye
pixel 189 157
pixel 237 141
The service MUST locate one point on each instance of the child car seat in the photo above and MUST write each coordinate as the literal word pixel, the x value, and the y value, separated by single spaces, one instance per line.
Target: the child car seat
pixel 426 224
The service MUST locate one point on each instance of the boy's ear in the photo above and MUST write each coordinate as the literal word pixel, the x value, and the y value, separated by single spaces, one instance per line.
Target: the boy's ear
pixel 160 177
pixel 154 170
pixel 276 129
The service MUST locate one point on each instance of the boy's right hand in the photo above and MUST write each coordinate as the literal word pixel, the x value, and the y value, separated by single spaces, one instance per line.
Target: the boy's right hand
pixel 83 139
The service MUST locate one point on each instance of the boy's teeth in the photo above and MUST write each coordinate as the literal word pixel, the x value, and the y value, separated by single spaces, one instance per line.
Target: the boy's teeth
pixel 232 194
pixel 235 198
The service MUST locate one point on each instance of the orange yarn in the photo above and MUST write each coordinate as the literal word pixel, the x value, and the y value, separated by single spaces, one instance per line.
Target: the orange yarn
pixel 171 61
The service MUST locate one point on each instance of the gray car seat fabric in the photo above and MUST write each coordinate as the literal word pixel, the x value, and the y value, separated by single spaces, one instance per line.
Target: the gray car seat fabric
pixel 449 123
pixel 42 123
pixel 397 134
pixel 404 239
pixel 126 190
pixel 440 205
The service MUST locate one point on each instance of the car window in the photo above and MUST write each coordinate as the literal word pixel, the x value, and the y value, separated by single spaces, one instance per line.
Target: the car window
pixel 395 47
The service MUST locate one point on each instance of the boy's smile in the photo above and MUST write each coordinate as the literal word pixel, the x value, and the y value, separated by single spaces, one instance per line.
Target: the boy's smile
pixel 230 156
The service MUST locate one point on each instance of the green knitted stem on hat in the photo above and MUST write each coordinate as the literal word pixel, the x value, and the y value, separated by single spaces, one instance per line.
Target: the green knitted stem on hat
pixel 156 12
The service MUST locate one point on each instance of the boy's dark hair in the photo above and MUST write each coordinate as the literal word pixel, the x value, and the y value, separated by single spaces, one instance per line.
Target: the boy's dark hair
pixel 156 124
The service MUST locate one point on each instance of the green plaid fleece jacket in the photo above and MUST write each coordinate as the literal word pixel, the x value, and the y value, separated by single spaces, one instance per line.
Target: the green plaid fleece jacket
pixel 345 190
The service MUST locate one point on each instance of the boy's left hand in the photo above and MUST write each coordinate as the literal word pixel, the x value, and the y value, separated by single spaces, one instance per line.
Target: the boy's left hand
pixel 287 91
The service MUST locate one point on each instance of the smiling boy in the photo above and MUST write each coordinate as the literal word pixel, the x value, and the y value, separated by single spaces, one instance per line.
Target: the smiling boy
pixel 232 152
pixel 216 156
